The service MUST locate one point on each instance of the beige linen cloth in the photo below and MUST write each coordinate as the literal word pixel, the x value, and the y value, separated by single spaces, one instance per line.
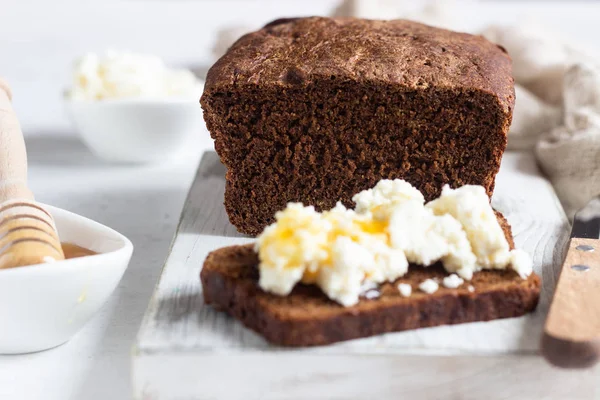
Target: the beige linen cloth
pixel 557 111
pixel 557 84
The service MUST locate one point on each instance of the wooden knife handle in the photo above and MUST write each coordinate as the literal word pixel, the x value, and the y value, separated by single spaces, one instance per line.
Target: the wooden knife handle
pixel 571 337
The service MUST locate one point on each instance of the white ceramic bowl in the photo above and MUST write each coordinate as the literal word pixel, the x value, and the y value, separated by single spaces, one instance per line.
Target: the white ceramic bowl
pixel 136 130
pixel 43 306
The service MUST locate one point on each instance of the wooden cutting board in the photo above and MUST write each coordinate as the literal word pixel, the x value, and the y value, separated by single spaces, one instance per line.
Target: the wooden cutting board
pixel 187 350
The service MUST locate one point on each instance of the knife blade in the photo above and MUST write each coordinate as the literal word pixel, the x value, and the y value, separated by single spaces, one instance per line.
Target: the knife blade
pixel 586 223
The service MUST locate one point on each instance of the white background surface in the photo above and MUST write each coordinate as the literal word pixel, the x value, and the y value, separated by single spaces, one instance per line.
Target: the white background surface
pixel 38 41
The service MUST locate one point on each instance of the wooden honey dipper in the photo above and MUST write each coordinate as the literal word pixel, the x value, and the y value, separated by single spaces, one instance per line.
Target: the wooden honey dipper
pixel 27 232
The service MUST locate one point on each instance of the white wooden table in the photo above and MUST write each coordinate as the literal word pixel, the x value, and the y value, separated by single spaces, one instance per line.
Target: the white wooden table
pixel 38 40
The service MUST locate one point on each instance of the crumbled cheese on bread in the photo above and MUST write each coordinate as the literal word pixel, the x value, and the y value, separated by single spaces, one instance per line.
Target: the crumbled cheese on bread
pixel 452 281
pixel 405 289
pixel 521 262
pixel 429 286
pixel 348 252
pixel 427 238
pixel 384 196
pixel 372 294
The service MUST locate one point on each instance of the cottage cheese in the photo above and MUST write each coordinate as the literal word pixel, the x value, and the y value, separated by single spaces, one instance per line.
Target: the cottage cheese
pixel 405 289
pixel 452 281
pixel 292 248
pixel 521 263
pixel 471 207
pixel 340 251
pixel 347 253
pixel 386 194
pixel 427 238
pixel 429 286
pixel 372 294
pixel 116 75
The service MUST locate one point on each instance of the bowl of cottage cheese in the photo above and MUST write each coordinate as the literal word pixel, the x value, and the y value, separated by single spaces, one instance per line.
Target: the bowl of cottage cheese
pixel 133 108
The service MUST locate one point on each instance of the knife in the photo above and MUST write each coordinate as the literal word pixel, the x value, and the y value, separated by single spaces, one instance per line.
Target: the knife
pixel 571 337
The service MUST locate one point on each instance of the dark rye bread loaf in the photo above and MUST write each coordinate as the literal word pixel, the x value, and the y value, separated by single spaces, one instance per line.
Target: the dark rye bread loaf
pixel 315 110
pixel 308 318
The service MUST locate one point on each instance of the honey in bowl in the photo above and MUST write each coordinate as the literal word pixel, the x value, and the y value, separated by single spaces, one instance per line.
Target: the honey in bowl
pixel 73 251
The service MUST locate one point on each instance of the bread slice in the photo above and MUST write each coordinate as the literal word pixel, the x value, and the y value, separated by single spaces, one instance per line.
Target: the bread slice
pixel 307 317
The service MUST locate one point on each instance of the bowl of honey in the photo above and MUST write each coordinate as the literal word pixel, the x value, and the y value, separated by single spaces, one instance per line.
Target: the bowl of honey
pixel 43 306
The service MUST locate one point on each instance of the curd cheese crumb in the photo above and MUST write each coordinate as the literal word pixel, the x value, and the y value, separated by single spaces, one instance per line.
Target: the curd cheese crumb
pixel 521 263
pixel 372 294
pixel 360 254
pixel 295 243
pixel 429 286
pixel 427 238
pixel 342 280
pixel 386 193
pixel 405 289
pixel 470 205
pixel 452 281
pixel 366 286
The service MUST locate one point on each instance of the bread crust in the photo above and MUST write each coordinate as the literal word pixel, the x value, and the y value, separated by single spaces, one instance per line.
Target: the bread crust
pixel 295 51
